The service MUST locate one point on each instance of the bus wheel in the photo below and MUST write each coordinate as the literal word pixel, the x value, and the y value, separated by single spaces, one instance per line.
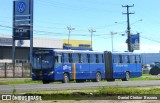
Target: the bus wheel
pixel 65 78
pixel 127 77
pixel 45 82
pixel 98 77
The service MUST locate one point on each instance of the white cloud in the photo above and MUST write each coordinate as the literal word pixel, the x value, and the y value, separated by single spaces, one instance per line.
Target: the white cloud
pixel 148 48
pixel 144 48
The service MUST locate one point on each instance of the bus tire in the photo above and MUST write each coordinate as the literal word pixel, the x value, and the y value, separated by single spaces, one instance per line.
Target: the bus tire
pixel 65 78
pixel 127 77
pixel 98 77
pixel 45 81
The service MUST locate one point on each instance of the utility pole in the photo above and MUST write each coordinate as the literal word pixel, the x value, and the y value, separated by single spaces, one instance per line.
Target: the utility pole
pixel 69 29
pixel 128 27
pixel 91 31
pixel 112 33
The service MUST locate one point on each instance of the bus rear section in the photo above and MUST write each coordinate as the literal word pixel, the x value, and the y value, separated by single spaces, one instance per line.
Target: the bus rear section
pixel 122 65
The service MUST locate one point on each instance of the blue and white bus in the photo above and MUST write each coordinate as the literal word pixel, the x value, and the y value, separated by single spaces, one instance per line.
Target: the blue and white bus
pixel 80 65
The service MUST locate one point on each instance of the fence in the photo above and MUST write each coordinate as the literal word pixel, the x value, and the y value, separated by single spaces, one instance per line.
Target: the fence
pixel 20 70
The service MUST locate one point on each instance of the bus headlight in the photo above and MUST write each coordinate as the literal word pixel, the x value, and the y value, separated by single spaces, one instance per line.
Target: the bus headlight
pixel 51 73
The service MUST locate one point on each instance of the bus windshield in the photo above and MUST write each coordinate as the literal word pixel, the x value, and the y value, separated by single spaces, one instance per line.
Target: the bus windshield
pixel 42 61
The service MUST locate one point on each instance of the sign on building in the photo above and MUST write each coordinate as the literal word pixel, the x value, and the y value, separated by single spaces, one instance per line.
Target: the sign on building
pixel 5 41
pixel 135 42
pixel 22 19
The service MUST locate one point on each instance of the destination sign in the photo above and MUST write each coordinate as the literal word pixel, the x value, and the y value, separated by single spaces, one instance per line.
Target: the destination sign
pixel 42 52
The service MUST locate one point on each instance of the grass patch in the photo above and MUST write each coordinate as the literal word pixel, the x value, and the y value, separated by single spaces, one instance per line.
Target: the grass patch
pixel 145 78
pixel 25 81
pixel 96 93
pixel 146 75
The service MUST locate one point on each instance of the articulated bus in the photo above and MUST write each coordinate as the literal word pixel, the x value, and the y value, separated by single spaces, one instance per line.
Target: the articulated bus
pixel 80 65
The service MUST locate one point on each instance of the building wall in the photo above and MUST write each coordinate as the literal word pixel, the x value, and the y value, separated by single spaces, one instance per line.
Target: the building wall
pixel 37 42
pixel 23 47
pixel 76 42
pixel 148 58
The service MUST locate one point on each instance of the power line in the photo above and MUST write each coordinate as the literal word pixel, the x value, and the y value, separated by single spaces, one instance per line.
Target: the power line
pixel 150 39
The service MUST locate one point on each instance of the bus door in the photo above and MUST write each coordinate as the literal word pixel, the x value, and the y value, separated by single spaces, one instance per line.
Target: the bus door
pixel 108 65
pixel 58 67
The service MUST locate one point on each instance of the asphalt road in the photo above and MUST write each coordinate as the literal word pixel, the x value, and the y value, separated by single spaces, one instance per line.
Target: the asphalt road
pixel 40 87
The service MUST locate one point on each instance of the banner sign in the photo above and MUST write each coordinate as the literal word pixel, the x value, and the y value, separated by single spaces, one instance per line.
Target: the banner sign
pixel 135 42
pixel 22 32
pixel 22 19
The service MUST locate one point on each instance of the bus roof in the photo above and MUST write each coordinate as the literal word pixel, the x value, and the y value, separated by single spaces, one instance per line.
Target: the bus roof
pixel 131 53
pixel 86 51
pixel 76 51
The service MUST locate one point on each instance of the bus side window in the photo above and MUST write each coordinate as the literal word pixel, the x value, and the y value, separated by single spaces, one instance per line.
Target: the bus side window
pixel 75 58
pixel 59 59
pixel 80 58
pixel 88 57
pixel 70 58
pixel 124 59
pixel 138 60
pixel 56 59
pixel 132 58
pixel 84 58
pixel 100 58
pixel 65 58
pixel 128 59
pixel 116 59
pixel 97 58
pixel 92 58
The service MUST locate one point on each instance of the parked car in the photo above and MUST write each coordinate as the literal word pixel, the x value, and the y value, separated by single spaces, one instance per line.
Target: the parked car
pixel 155 70
pixel 146 68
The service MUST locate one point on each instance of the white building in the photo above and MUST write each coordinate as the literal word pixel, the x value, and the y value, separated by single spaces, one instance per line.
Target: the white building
pixel 23 47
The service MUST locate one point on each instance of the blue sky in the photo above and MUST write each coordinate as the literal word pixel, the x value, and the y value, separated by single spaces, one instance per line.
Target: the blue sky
pixel 105 16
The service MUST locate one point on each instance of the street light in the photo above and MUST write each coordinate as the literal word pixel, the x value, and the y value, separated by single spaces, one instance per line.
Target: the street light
pixel 112 33
pixel 91 31
pixel 69 29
